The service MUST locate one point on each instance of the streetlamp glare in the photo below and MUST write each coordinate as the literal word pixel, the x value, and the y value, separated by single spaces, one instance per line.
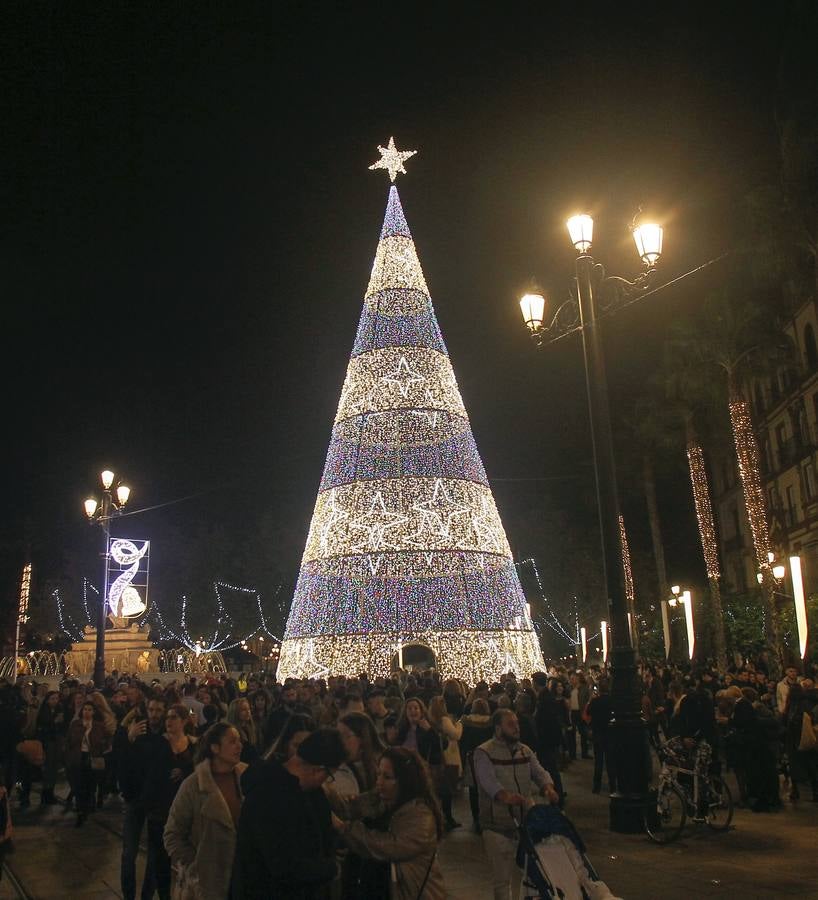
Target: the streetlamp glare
pixel 532 307
pixel 122 494
pixel 90 507
pixel 581 230
pixel 675 589
pixel 648 240
pixel 107 479
pixel 759 578
pixel 779 572
pixel 770 556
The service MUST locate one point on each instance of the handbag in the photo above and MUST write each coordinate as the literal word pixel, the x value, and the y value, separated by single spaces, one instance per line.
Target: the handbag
pixel 32 752
pixel 808 739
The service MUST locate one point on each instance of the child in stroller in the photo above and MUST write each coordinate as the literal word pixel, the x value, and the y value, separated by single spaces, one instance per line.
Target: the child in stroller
pixel 552 856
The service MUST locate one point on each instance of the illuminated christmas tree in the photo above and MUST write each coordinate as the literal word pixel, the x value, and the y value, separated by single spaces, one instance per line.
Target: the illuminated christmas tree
pixel 406 545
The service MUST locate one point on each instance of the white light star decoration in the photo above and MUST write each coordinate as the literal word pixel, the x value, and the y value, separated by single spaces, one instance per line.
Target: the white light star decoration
pixel 375 523
pixel 438 512
pixel 392 159
pixel 336 515
pixel 403 377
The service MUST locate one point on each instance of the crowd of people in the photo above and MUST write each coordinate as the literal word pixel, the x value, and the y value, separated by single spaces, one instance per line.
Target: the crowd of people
pixel 344 787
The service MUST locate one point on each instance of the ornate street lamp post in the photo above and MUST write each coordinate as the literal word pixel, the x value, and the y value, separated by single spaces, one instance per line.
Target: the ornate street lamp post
pixel 100 513
pixel 596 295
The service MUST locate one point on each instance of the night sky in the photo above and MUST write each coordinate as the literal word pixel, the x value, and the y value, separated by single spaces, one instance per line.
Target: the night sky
pixel 190 226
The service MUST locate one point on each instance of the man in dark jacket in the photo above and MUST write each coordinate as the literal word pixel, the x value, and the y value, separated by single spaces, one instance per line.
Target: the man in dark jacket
pixel 548 722
pixel 135 745
pixel 284 844
pixel 599 711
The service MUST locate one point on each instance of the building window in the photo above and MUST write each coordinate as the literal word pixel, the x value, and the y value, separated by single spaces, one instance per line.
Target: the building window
pixel 810 348
pixel 758 396
pixel 792 510
pixel 809 481
pixel 736 523
pixel 781 440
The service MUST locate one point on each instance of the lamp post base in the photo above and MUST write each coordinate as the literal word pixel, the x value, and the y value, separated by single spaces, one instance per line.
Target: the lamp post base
pixel 627 813
pixel 628 740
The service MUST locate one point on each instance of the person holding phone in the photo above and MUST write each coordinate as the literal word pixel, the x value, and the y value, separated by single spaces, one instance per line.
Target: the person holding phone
pixel 137 740
pixel 172 761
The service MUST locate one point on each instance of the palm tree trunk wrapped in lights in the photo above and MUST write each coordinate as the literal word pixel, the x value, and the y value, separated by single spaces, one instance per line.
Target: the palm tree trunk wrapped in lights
pixel 629 591
pixel 707 534
pixel 749 469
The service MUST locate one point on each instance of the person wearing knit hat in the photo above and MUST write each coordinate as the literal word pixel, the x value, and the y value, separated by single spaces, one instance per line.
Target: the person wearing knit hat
pixel 285 845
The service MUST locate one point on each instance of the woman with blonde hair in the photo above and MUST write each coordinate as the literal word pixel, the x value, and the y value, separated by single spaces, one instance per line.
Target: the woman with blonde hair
pixel 450 733
pixel 240 716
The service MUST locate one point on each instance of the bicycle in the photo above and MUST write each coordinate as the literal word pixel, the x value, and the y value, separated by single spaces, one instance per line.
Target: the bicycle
pixel 705 797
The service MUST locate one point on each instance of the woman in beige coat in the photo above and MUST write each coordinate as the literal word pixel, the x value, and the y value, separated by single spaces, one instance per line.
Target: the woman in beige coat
pixel 200 835
pixel 411 826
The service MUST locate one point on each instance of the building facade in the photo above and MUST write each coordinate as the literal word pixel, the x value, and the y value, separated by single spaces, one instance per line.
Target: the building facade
pixel 785 417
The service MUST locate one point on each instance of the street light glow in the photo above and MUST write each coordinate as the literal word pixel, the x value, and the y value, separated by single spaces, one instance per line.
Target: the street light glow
pixel 532 306
pixel 648 240
pixel 90 507
pixel 581 230
pixel 687 601
pixel 122 494
pixel 779 571
pixel 107 479
pixel 800 604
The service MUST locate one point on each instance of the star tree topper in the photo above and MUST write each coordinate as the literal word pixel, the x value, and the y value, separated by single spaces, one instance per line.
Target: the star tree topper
pixel 392 159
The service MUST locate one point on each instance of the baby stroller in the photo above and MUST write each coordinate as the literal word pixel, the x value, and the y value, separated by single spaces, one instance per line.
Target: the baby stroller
pixel 552 856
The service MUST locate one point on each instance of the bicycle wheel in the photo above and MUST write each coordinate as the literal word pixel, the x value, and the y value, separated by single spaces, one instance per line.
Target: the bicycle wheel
pixel 664 820
pixel 719 810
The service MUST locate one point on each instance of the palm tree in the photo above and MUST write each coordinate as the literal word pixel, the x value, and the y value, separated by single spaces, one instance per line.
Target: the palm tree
pixel 647 435
pixel 707 536
pixel 741 338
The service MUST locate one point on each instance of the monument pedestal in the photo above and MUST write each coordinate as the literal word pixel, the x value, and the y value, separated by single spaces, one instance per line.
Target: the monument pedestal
pixel 127 649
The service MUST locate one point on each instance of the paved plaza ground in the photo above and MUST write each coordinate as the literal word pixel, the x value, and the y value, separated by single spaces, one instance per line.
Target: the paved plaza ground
pixel 762 856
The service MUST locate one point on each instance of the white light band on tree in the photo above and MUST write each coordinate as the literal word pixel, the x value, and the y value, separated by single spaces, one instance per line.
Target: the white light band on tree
pixel 800 603
pixel 691 634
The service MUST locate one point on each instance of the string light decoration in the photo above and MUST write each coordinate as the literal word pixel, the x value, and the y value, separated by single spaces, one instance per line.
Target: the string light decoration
pixel 755 502
pixel 406 543
pixel 25 592
pixel 750 473
pixel 223 636
pixel 67 625
pixel 630 596
pixel 626 564
pixel 704 510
